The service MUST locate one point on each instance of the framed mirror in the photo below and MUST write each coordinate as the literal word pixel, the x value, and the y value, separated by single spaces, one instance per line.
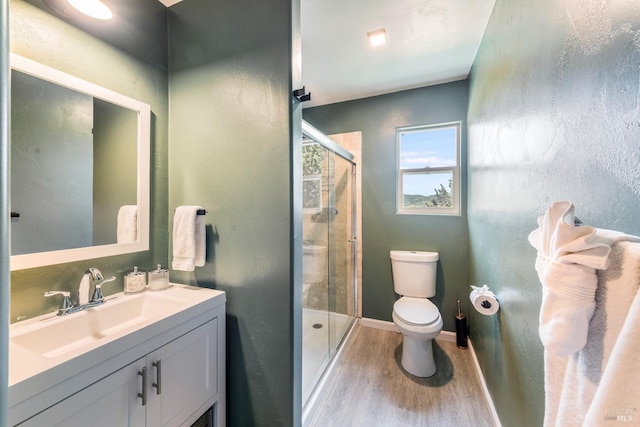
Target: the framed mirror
pixel 79 168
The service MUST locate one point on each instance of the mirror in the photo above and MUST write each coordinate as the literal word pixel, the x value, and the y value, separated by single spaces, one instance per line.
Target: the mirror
pixel 80 168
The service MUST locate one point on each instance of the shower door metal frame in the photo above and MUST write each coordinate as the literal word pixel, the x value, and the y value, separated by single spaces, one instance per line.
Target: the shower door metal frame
pixel 326 142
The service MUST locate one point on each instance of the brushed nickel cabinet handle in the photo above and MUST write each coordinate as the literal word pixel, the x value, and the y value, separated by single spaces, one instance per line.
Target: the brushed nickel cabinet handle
pixel 143 395
pixel 158 385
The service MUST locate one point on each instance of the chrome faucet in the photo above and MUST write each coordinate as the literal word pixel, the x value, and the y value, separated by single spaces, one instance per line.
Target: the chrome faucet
pixel 92 276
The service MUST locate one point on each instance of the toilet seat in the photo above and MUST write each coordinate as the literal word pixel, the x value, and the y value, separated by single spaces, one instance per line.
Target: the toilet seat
pixel 416 311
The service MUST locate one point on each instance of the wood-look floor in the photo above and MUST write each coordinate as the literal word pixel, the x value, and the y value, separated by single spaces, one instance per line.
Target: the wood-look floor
pixel 368 387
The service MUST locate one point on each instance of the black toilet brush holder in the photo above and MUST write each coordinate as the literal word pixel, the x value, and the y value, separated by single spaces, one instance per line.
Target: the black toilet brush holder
pixel 461 329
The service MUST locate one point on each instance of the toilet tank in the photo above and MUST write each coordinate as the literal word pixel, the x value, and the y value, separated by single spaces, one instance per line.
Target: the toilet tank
pixel 414 273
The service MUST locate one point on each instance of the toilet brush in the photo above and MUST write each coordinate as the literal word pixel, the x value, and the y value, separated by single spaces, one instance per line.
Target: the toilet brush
pixel 461 329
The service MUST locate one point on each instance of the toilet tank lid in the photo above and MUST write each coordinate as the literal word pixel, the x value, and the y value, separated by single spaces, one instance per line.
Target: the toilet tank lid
pixel 414 256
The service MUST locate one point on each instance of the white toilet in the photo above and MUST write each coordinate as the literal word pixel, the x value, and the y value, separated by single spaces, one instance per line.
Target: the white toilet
pixel 415 317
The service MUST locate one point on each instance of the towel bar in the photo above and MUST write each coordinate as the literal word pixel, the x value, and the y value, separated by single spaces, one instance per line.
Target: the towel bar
pixel 199 212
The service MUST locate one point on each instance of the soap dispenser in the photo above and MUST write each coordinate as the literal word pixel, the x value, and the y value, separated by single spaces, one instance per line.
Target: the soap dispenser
pixel 159 279
pixel 135 282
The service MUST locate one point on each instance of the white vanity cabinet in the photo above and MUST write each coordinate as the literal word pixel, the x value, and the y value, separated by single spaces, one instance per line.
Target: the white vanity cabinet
pixel 171 386
pixel 109 402
pixel 182 378
pixel 170 378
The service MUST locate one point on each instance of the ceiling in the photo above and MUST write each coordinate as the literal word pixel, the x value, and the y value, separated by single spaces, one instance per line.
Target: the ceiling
pixel 428 42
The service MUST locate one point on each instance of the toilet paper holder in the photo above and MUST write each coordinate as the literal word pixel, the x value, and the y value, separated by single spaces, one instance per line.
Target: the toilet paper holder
pixel 483 300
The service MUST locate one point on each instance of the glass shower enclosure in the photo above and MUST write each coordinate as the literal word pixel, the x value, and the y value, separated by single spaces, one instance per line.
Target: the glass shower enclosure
pixel 329 253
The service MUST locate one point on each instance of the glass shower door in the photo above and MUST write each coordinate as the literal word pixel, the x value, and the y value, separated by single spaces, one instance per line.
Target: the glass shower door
pixel 328 259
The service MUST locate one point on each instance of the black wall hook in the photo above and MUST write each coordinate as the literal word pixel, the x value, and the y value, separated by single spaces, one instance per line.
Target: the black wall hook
pixel 301 95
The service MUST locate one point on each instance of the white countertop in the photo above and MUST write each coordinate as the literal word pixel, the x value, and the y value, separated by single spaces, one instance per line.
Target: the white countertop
pixel 52 374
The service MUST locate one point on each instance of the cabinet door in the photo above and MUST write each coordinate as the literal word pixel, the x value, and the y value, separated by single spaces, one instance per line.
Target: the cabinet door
pixel 186 375
pixel 112 401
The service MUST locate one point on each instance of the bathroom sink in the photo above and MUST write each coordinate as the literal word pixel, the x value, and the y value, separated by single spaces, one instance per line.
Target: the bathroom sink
pixel 55 336
pixel 54 357
pixel 39 344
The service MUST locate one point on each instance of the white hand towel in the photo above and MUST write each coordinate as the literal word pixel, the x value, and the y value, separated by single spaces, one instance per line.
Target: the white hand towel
pixel 127 229
pixel 189 239
pixel 567 259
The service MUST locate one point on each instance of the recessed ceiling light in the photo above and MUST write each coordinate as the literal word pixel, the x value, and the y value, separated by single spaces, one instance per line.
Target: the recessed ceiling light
pixel 377 37
pixel 93 8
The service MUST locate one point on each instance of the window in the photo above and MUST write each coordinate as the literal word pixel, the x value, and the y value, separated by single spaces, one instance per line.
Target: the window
pixel 428 169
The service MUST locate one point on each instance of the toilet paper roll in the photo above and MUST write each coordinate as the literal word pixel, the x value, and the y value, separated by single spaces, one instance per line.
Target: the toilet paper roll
pixel 484 301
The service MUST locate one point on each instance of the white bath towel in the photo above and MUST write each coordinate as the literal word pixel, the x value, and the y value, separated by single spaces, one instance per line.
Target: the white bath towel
pixel 189 239
pixel 618 394
pixel 598 385
pixel 127 228
pixel 566 262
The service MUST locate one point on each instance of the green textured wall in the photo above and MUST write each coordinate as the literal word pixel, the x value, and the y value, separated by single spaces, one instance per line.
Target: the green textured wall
pixel 230 152
pixel 552 115
pixel 38 35
pixel 382 229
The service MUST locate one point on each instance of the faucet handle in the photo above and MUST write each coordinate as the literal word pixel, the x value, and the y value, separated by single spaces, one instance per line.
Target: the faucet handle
pixel 66 304
pixel 96 275
pixel 97 293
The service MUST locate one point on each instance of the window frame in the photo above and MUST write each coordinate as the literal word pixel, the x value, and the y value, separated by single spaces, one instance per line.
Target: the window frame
pixel 454 210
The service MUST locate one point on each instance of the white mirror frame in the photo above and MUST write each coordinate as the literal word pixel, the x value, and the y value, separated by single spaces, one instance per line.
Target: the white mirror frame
pixel 40 259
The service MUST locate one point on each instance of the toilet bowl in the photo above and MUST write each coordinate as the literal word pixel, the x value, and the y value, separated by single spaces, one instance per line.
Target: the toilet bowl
pixel 415 317
pixel 419 322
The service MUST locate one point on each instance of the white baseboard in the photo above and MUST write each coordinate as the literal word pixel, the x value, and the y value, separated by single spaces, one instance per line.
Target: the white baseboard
pixel 449 337
pixel 485 390
pixel 378 324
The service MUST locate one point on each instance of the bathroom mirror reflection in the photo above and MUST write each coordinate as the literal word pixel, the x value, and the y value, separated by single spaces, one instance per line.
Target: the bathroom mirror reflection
pixel 79 168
